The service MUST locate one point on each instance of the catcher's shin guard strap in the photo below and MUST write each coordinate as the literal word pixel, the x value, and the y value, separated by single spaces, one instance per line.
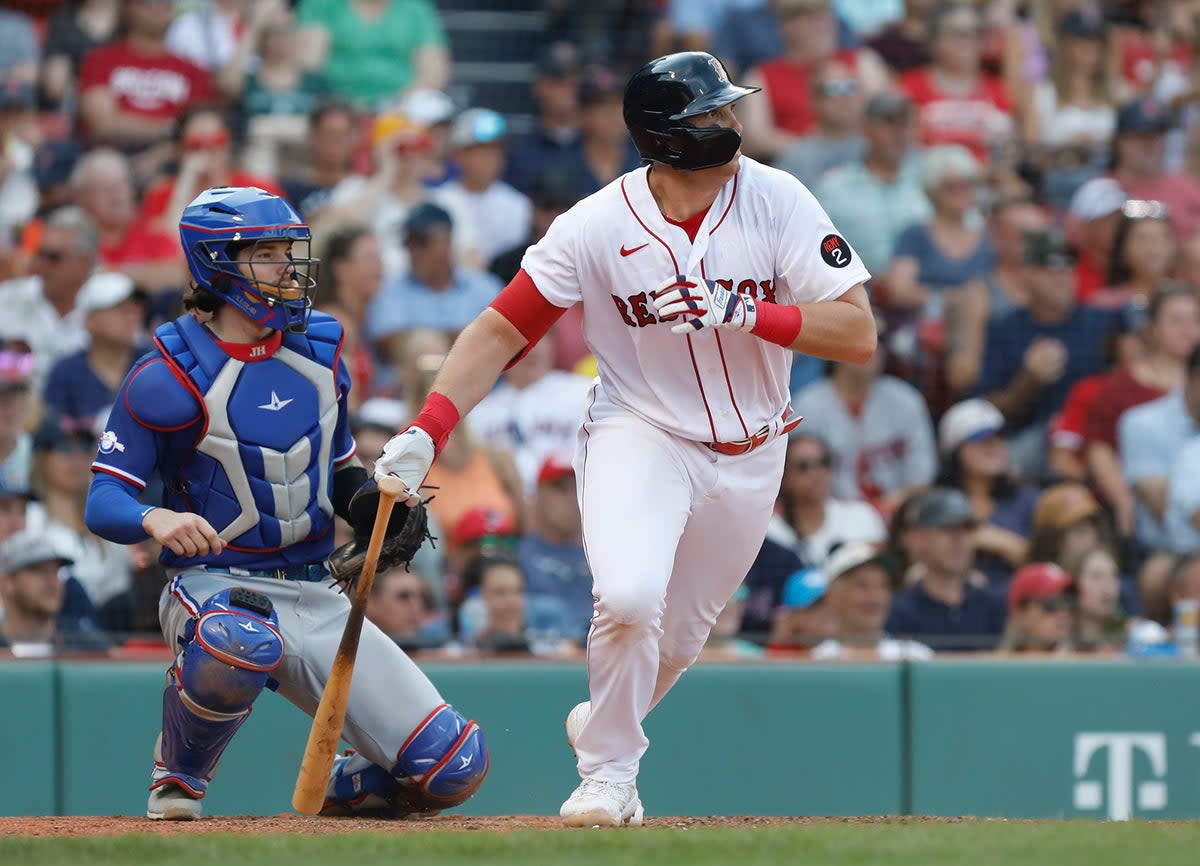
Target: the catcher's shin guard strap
pixel 445 757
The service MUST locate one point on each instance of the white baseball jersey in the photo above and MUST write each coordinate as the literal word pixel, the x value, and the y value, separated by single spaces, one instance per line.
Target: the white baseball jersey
pixel 765 235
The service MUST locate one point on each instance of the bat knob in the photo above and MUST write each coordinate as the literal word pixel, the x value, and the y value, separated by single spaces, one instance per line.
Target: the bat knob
pixel 392 486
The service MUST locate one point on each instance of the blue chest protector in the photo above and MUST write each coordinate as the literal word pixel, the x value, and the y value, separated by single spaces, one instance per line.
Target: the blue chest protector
pixel 261 468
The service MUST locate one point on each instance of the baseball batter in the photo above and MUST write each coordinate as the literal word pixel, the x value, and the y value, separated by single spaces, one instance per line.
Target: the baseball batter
pixel 699 275
pixel 241 407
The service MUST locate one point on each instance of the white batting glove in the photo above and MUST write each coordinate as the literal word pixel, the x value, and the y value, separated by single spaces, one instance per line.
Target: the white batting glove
pixel 703 304
pixel 408 456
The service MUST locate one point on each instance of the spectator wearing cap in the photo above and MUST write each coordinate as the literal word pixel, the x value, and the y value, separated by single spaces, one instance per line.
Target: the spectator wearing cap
pixel 333 135
pixel 957 101
pixel 1041 605
pixel 436 292
pixel 501 214
pixel 404 161
pixel 555 134
pixel 878 427
pixel 19 136
pixel 1095 212
pixel 16 444
pixel 1158 366
pixel 1033 356
pixel 859 596
pixel 39 309
pixel 33 594
pixel 1071 114
pixel 54 164
pixel 102 184
pixel 785 111
pixel 13 500
pixel 836 138
pixel 373 50
pixel 84 384
pixel 1139 165
pixel 63 449
pixel 810 521
pixel 872 199
pixel 551 550
pixel 944 604
pixel 605 149
pixel 975 461
pixel 802 620
pixel 533 411
pixel 478 529
pixel 1149 438
pixel 132 89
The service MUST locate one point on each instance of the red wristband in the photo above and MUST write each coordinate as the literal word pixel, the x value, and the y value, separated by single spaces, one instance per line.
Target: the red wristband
pixel 437 418
pixel 778 323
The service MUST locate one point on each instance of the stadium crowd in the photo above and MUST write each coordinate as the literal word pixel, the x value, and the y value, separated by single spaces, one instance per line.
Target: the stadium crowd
pixel 1017 469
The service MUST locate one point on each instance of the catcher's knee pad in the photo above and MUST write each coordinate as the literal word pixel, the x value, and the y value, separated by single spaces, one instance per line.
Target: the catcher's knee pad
pixel 443 762
pixel 229 649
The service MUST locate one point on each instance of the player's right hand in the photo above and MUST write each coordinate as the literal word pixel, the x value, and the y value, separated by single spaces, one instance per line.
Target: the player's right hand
pixel 183 533
pixel 408 456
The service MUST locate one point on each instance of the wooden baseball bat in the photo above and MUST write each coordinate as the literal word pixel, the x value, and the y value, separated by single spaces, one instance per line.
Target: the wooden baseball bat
pixel 326 731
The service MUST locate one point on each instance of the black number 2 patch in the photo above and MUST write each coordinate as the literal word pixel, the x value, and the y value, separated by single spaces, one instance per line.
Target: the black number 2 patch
pixel 835 251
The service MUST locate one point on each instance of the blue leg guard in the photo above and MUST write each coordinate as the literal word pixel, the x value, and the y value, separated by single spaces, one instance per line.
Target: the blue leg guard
pixel 441 764
pixel 228 651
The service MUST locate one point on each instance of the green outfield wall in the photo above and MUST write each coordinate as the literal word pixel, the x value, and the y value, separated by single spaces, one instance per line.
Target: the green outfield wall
pixel 1040 739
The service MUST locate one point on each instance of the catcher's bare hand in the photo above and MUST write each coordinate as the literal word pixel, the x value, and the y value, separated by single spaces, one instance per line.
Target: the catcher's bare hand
pixel 408 456
pixel 183 533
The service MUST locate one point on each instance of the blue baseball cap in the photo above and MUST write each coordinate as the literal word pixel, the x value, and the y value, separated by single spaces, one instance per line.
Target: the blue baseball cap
pixel 804 588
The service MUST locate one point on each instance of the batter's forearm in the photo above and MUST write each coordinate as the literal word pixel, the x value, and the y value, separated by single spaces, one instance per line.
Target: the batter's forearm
pixel 478 356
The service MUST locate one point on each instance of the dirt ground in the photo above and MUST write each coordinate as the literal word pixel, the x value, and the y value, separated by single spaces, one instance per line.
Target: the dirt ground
pixel 303 826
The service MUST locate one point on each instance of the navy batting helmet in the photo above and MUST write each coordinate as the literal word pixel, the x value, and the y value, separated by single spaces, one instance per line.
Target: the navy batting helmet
pixel 665 93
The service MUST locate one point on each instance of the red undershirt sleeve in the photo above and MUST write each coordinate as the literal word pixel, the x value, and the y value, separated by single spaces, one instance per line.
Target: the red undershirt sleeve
pixel 527 309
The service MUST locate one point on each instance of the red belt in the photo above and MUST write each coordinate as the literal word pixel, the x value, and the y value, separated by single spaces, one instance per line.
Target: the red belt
pixel 745 446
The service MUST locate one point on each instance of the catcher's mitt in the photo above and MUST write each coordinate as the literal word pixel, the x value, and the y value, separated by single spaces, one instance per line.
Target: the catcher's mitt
pixel 408 528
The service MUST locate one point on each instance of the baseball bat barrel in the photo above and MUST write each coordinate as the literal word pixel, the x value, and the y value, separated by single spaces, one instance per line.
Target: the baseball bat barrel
pixel 326 731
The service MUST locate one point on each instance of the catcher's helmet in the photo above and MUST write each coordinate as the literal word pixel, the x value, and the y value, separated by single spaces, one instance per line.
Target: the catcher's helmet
pixel 664 93
pixel 221 222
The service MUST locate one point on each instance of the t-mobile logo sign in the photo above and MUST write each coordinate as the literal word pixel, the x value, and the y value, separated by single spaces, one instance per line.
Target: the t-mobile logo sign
pixel 1118 789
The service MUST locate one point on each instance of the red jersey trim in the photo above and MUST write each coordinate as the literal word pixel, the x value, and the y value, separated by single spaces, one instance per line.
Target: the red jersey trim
pixel 728 381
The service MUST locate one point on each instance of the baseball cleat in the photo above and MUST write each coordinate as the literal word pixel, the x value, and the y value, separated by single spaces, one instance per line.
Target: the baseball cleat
pixel 171 803
pixel 576 719
pixel 603 804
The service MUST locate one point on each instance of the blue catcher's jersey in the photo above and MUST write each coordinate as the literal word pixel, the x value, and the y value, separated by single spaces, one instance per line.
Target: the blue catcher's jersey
pixel 247 436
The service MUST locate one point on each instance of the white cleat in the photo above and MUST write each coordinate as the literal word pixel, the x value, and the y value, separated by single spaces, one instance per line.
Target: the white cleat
pixel 603 804
pixel 576 719
pixel 171 803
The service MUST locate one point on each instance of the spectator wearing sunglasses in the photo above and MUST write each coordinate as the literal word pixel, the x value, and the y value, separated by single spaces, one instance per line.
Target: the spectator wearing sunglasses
pixel 1041 610
pixel 39 309
pixel 401 605
pixel 837 99
pixel 1139 164
pixel 204 149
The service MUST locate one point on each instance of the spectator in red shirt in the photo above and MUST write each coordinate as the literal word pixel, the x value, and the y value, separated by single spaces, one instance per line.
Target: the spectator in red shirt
pixel 957 102
pixel 1139 165
pixel 772 125
pixel 204 147
pixel 131 90
pixel 103 187
pixel 1170 336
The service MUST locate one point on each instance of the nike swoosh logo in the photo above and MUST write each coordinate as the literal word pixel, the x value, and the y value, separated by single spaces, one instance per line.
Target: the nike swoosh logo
pixel 625 252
